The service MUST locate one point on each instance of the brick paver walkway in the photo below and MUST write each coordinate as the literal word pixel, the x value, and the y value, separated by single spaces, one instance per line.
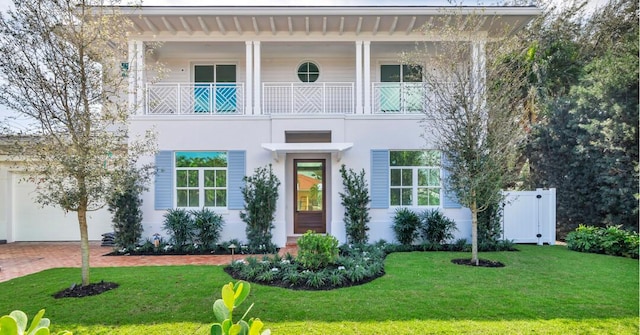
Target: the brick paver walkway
pixel 23 258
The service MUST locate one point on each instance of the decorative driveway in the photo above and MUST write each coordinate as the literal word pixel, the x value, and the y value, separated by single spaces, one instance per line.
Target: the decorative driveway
pixel 22 258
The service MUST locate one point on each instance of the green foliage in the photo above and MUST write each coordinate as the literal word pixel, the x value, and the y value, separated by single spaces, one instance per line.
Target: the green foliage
pixel 490 223
pixel 353 266
pixel 232 297
pixel 316 251
pixel 16 324
pixel 208 226
pixel 260 194
pixel 611 240
pixel 436 227
pixel 179 224
pixel 355 201
pixel 124 204
pixel 405 225
pixel 591 125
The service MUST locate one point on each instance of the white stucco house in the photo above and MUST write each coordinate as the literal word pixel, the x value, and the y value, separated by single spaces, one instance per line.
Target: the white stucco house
pixel 303 88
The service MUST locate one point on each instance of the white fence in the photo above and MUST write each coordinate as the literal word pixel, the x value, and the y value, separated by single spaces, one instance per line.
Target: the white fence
pixel 530 216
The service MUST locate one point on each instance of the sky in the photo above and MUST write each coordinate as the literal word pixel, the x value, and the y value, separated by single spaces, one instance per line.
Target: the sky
pixel 5 4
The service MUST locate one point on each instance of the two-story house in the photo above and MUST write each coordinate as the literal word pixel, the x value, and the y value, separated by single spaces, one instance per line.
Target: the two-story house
pixel 305 89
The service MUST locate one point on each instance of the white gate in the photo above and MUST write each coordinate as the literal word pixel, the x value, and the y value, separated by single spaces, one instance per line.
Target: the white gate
pixel 530 216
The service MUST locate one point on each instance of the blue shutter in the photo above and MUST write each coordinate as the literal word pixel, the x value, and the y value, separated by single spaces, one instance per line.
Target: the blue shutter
pixel 164 181
pixel 237 161
pixel 379 178
pixel 450 199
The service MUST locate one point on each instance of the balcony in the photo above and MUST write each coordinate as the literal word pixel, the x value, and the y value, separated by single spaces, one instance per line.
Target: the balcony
pixel 307 98
pixel 398 98
pixel 195 99
pixel 283 98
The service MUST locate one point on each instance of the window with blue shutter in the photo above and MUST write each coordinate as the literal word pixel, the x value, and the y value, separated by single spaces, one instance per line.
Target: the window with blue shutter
pixel 450 199
pixel 237 171
pixel 379 178
pixel 163 185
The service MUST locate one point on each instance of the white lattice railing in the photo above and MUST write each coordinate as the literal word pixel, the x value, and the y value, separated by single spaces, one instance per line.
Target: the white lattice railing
pixel 195 99
pixel 398 98
pixel 307 98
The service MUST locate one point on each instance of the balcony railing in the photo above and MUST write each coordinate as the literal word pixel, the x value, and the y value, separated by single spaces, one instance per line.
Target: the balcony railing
pixel 282 98
pixel 195 98
pixel 399 98
pixel 307 98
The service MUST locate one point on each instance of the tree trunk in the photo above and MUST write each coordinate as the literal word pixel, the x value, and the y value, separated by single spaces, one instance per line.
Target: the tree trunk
pixel 474 229
pixel 84 244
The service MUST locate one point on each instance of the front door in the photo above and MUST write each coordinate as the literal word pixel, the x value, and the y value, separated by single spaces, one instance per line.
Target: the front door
pixel 309 196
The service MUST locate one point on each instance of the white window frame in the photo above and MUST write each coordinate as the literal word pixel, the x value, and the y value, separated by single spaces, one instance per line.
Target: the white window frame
pixel 414 183
pixel 201 183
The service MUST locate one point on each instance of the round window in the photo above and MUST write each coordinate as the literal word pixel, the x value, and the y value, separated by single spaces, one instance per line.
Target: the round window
pixel 308 72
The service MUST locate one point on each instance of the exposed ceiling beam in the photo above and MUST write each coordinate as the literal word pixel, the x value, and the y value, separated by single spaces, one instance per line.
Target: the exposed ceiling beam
pixel 307 26
pixel 464 24
pixel 238 26
pixel 411 25
pixel 341 25
pixel 480 24
pixel 359 26
pixel 186 25
pixel 150 24
pixel 290 23
pixel 376 25
pixel 272 22
pixel 168 25
pixel 204 26
pixel 324 25
pixel 137 28
pixel 393 25
pixel 255 25
pixel 221 25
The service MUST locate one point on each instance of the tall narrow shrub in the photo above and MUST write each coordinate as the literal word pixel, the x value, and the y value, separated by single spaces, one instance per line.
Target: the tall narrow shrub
pixel 355 200
pixel 124 204
pixel 260 194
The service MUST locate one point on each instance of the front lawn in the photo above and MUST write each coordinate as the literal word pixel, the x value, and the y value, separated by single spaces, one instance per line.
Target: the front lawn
pixel 541 290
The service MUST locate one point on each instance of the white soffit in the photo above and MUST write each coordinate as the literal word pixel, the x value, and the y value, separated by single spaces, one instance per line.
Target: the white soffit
pixel 278 149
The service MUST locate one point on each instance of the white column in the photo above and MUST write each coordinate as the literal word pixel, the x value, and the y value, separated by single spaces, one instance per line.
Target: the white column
pixel 478 79
pixel 248 82
pixel 367 77
pixel 358 77
pixel 131 78
pixel 257 81
pixel 140 76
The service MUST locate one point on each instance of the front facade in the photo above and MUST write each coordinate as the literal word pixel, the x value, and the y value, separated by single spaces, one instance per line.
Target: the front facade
pixel 305 89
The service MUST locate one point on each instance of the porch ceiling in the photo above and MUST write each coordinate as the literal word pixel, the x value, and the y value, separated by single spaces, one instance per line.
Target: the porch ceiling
pixel 316 20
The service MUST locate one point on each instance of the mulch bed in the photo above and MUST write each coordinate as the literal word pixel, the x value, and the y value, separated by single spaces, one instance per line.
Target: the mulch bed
pixel 481 262
pixel 79 291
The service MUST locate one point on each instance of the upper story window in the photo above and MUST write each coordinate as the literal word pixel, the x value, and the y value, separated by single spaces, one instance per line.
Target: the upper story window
pixel 201 179
pixel 308 72
pixel 415 178
pixel 400 73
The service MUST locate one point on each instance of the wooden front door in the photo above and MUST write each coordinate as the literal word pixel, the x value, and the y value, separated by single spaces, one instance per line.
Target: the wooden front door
pixel 309 196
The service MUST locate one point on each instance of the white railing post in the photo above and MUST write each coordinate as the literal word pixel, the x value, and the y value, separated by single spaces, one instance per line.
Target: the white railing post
pixel 179 99
pixel 324 97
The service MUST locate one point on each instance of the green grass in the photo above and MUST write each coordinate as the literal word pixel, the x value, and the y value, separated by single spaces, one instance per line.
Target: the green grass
pixel 542 290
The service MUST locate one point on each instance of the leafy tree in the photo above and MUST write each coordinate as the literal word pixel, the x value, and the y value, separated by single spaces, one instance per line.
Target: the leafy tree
pixel 61 69
pixel 260 196
pixel 474 108
pixel 592 127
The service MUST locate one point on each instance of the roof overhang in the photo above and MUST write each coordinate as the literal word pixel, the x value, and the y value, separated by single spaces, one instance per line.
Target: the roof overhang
pixel 246 21
pixel 278 149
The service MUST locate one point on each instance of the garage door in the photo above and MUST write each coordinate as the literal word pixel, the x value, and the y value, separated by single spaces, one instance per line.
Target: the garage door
pixel 32 222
